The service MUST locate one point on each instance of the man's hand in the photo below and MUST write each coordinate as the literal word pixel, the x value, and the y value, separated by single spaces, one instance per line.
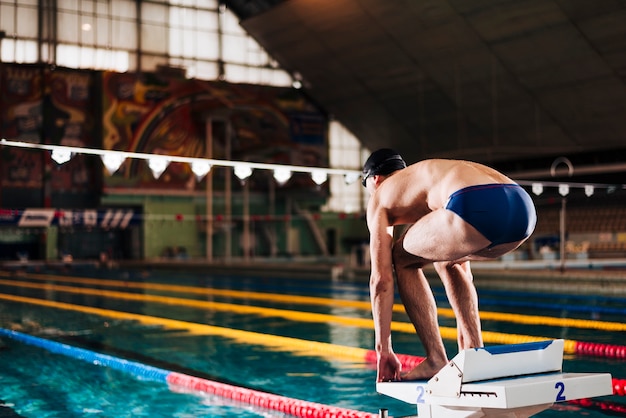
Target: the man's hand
pixel 389 367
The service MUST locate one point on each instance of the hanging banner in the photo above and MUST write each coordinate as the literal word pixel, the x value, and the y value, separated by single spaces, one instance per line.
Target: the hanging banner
pixel 100 218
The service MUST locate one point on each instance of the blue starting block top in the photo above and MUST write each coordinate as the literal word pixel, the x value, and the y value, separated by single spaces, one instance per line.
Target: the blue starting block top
pixel 504 361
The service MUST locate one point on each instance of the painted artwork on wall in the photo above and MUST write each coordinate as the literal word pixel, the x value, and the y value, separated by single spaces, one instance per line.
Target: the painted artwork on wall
pixel 69 119
pixel 21 119
pixel 149 114
pixel 41 104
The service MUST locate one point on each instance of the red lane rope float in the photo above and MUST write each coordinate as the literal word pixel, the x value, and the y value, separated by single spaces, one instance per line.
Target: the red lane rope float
pixel 409 361
pixel 600 350
pixel 619 387
pixel 294 407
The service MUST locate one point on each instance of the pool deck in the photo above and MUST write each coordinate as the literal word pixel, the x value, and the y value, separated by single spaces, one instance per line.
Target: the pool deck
pixel 606 277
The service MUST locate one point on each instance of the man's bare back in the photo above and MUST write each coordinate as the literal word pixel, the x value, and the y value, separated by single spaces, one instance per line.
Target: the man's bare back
pixel 423 187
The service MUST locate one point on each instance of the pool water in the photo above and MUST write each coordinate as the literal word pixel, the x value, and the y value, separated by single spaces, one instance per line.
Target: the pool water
pixel 37 383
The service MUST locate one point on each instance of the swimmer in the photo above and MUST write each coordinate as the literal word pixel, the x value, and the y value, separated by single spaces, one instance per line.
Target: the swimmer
pixel 455 211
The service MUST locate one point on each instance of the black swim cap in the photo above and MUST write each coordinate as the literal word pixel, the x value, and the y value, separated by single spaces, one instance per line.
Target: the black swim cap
pixel 383 161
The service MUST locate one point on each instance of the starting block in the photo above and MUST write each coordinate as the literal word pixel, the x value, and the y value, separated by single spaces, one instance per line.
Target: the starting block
pixel 507 381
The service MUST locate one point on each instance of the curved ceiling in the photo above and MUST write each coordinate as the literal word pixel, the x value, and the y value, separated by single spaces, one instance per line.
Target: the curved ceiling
pixel 511 83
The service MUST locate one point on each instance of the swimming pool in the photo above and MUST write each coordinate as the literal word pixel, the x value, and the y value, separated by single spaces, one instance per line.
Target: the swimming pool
pixel 246 332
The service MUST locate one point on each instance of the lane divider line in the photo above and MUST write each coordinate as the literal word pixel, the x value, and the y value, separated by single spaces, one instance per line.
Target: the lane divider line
pixel 571 346
pixel 294 407
pixel 406 327
pixel 279 343
pixel 319 301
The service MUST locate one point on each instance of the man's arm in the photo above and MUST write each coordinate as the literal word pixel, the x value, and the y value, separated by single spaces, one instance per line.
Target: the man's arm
pixel 382 294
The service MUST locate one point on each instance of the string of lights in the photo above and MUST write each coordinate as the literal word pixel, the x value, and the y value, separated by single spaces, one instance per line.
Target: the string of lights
pixel 113 159
pixel 158 163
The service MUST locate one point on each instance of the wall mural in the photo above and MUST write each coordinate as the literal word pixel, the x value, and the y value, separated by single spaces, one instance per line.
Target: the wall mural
pixel 21 119
pixel 43 105
pixel 148 114
pixel 69 119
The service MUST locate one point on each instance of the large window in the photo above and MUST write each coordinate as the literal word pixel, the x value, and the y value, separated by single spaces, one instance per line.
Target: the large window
pixel 200 37
pixel 345 152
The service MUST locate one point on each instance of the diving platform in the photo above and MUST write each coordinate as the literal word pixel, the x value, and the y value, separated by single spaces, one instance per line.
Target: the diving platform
pixel 506 381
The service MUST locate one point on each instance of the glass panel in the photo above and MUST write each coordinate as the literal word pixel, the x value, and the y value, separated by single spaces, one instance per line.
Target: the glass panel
pixel 176 42
pixel 205 71
pixel 207 4
pixel 176 16
pixel 87 7
pixel 102 8
pixel 124 35
pixel 7 19
pixel 149 62
pixel 45 52
pixel 208 46
pixel 67 4
pixel 123 8
pixel 183 2
pixel 188 45
pixel 234 48
pixel 67 27
pixel 87 30
pixel 235 73
pixel 154 38
pixel 255 55
pixel 121 61
pixel 74 56
pixel 86 57
pixel 6 50
pixel 26 18
pixel 230 23
pixel 133 62
pixel 206 20
pixel 344 152
pixel 67 56
pixel 101 30
pixel 154 13
pixel 277 77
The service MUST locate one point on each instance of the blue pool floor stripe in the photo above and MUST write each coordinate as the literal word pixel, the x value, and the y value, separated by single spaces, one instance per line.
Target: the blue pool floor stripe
pixel 139 370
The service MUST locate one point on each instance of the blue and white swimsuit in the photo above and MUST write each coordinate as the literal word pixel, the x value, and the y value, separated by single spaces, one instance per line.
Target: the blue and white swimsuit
pixel 503 213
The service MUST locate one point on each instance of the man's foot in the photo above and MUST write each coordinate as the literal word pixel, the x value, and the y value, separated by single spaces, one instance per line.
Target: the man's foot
pixel 423 371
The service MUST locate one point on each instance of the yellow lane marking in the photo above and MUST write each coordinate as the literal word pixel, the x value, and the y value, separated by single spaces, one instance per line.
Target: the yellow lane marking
pixel 319 301
pixel 446 332
pixel 207 305
pixel 278 343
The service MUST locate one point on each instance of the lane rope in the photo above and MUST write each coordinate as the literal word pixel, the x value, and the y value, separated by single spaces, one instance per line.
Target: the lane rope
pixel 319 301
pixel 571 346
pixel 290 406
pixel 297 346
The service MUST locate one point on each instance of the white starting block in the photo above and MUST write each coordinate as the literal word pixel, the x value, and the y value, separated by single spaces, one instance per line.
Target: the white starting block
pixel 507 381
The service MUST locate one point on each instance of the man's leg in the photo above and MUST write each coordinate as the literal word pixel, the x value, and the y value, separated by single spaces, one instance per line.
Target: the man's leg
pixel 421 308
pixel 458 281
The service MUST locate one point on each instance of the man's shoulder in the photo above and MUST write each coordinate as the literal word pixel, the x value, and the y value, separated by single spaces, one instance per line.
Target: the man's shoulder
pixel 432 165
